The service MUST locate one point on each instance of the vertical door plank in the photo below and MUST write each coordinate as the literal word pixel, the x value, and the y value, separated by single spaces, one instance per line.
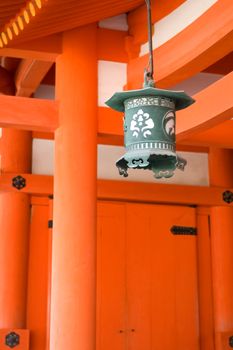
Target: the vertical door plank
pixel 111 288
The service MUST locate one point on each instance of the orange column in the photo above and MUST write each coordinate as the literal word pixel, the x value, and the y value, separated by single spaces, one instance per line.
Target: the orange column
pixel 74 234
pixel 14 221
pixel 221 174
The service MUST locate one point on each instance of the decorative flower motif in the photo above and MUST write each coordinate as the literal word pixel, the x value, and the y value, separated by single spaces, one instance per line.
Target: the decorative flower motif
pixel 141 123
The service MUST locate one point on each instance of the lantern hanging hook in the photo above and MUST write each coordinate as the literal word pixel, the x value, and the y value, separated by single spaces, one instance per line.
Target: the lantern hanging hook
pixel 149 71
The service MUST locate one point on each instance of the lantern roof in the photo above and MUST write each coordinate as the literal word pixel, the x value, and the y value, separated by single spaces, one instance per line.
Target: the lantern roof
pixel 180 98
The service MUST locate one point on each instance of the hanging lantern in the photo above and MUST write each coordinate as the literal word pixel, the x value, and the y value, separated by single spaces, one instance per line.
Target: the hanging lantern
pixel 150 124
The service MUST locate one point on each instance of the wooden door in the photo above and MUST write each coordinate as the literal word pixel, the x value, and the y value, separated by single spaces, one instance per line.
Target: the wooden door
pixel 162 290
pixel 111 287
pixel 147 278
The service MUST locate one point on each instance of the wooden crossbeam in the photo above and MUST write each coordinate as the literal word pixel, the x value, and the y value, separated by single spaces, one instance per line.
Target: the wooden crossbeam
pixel 42 185
pixel 160 193
pixel 44 49
pixel 29 75
pixel 42 115
pixel 28 113
pixel 111 45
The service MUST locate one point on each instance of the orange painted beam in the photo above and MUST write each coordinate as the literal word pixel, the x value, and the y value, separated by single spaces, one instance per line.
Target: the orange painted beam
pixel 190 51
pixel 43 135
pixel 223 66
pixel 110 122
pixel 160 193
pixel 28 113
pixel 137 19
pixel 44 49
pixel 29 75
pixel 111 45
pixel 41 185
pixel 213 106
pixel 36 200
pixel 217 136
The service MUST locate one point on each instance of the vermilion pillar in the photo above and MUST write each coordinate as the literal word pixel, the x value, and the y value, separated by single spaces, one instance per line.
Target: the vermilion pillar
pixel 15 149
pixel 74 234
pixel 221 174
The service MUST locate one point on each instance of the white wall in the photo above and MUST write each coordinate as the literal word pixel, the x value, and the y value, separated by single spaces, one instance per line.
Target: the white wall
pixel 196 171
pixel 115 23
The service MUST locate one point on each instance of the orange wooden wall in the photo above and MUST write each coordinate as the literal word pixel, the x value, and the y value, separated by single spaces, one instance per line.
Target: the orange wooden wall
pixel 154 289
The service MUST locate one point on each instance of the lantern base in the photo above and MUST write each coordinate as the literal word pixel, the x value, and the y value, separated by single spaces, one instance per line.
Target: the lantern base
pixel 162 164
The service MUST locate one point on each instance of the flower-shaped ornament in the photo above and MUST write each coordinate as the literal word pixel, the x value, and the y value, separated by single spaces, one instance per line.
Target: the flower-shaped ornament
pixel 141 124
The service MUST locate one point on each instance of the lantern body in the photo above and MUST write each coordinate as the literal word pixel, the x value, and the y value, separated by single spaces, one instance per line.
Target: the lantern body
pixel 149 129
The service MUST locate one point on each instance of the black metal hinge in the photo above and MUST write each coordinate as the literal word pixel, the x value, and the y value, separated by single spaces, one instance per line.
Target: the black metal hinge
pixel 184 230
pixel 50 224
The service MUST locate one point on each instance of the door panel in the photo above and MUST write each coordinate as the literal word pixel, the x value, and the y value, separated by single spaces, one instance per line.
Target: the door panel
pixel 147 278
pixel 161 278
pixel 111 308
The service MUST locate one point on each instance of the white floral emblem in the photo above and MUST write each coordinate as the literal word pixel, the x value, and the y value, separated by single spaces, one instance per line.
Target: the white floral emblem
pixel 141 123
